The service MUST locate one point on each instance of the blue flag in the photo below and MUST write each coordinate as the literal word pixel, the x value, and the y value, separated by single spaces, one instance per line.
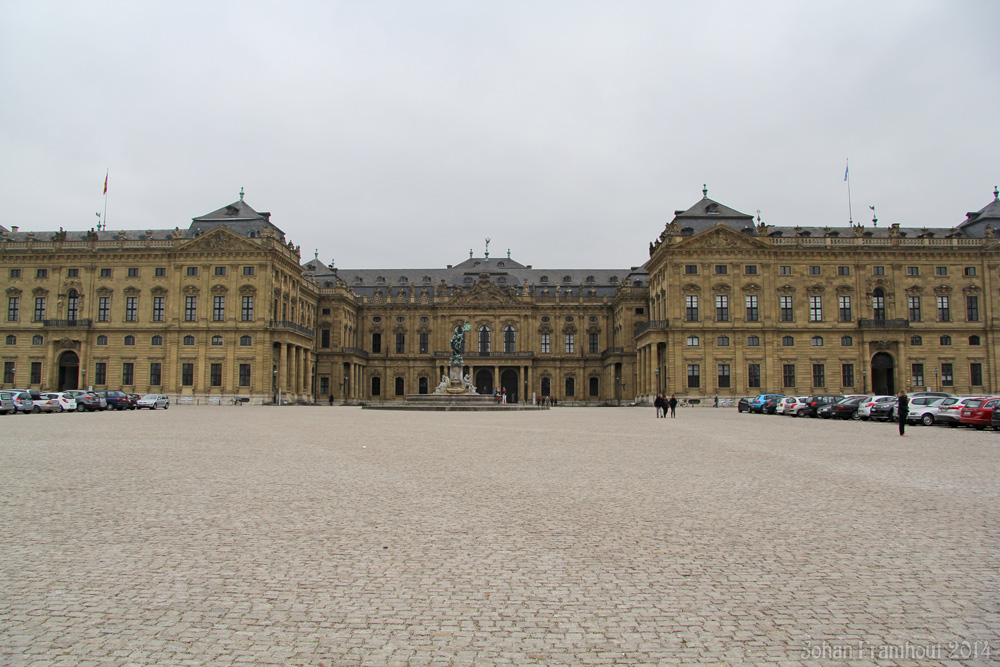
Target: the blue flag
pixel 845 171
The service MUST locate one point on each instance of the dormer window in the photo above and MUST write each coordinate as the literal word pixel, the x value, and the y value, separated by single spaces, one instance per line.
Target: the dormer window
pixel 567 279
pixel 380 280
pixel 687 231
pixel 426 279
pixel 590 279
pixel 402 280
pixel 500 264
pixel 358 280
pixel 543 279
pixel 614 279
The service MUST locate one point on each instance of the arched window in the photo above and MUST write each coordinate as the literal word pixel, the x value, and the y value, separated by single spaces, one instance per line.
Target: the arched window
pixel 693 341
pixel 400 387
pixel 156 340
pixel 189 340
pixel 102 340
pixel 916 340
pixel 973 340
pixel 12 339
pixel 753 341
pixel 484 339
pixel 130 340
pixel 723 341
pixel 817 341
pixel 946 340
pixel 787 341
pixel 846 341
pixel 72 305
pixel 376 386
pixel 37 340
pixel 509 339
pixel 246 341
pixel 878 304
pixel 216 340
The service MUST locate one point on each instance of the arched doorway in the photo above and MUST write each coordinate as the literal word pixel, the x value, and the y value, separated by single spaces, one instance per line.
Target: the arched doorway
pixel 509 381
pixel 484 381
pixel 69 371
pixel 883 374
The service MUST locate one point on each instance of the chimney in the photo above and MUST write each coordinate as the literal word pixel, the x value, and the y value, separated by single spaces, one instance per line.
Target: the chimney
pixel 14 228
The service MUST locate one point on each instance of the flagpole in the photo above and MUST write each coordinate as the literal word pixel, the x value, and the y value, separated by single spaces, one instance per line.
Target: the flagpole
pixel 847 177
pixel 104 219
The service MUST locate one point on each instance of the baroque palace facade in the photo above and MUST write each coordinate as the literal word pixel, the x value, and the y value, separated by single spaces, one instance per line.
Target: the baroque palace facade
pixel 725 306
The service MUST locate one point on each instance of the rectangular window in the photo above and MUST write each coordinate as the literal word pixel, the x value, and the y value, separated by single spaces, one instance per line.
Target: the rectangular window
pixel 721 308
pixel 947 376
pixel 972 308
pixel 723 376
pixel 105 273
pixel 244 375
pixel 913 308
pixel 190 308
pixel 788 375
pixel 324 338
pixel 595 387
pixel 158 308
pixel 844 302
pixel 154 373
pixel 970 270
pixel 215 375
pixel 917 373
pixel 570 343
pixel 220 270
pixel 571 386
pixel 940 270
pixel 39 308
pixel 819 375
pixel 753 375
pixel 42 273
pixel 692 307
pixel 248 270
pixel 128 373
pixel 187 374
pixel 878 270
pixel 36 372
pixel 104 309
pixel 15 273
pixel 13 308
pixel 100 373
pixel 753 311
pixel 400 343
pixel 815 309
pixel 133 272
pixel 750 269
pixel 376 343
pixel 192 270
pixel 847 375
pixel 944 311
pixel 218 308
pixel 73 273
pixel 814 271
pixel 721 269
pixel 546 343
pixel 691 269
pixel 131 308
pixel 976 375
pixel 785 303
pixel 594 342
pixel 424 343
pixel 246 313
pixel 160 272
pixel 694 375
pixel 843 270
pixel 8 372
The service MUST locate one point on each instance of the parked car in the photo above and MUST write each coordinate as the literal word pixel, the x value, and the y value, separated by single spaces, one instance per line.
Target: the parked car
pixel 33 394
pixel 116 400
pixel 924 409
pixel 7 403
pixel 978 412
pixel 757 403
pixel 66 402
pixel 153 401
pixel 23 402
pixel 845 409
pixel 88 400
pixel 817 401
pixel 785 403
pixel 45 404
pixel 866 405
pixel 743 405
pixel 134 400
pixel 939 394
pixel 884 410
pixel 770 406
pixel 950 410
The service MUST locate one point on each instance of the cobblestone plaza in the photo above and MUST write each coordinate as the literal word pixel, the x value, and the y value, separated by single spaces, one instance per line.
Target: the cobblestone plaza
pixel 340 537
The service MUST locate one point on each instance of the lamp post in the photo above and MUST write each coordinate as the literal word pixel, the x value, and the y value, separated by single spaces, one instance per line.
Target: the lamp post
pixel 618 388
pixel 864 381
pixel 278 395
pixel 936 385
pixel 656 372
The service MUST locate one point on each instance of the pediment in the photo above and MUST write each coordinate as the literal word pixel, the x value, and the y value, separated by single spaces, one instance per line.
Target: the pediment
pixel 485 294
pixel 722 237
pixel 219 239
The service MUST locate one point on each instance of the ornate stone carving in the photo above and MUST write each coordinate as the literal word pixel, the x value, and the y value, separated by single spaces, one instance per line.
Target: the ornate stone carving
pixel 485 295
pixel 815 289
pixel 752 288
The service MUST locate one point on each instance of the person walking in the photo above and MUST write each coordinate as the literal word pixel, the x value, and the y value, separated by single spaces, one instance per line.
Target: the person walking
pixel 903 407
pixel 673 406
pixel 661 408
pixel 716 401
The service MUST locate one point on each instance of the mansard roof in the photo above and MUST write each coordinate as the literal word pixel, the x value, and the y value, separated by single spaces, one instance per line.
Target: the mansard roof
pixel 237 217
pixel 976 222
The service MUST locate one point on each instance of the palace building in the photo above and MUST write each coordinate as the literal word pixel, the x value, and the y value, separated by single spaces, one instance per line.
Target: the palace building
pixel 725 305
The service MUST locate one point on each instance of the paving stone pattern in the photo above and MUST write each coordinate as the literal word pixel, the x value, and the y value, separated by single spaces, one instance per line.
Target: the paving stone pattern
pixel 339 537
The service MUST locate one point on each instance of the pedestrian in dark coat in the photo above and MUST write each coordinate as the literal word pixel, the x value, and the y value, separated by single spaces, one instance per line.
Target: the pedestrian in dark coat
pixel 673 405
pixel 903 407
pixel 661 408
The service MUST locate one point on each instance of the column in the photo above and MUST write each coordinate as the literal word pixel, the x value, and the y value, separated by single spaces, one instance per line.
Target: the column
pixel 282 367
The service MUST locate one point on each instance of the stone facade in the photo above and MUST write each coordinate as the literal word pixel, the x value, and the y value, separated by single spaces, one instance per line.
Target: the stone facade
pixel 725 306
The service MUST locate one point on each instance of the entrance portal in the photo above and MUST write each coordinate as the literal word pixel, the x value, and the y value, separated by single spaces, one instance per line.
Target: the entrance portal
pixel 69 371
pixel 883 374
pixel 484 381
pixel 508 380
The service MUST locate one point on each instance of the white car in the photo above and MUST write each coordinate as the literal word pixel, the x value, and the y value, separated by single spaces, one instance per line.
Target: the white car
pixel 795 408
pixel 153 401
pixel 66 402
pixel 950 410
pixel 865 406
pixel 923 409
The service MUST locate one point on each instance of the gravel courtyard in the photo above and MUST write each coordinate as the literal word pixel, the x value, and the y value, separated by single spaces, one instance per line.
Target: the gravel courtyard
pixel 339 537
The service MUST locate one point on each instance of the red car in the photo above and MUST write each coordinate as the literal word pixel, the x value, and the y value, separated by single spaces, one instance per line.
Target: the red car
pixel 978 413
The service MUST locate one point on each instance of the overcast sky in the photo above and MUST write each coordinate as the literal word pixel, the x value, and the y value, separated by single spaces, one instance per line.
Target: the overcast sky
pixel 401 134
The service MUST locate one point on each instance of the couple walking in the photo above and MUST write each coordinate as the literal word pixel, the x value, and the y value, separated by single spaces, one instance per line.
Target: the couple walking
pixel 662 404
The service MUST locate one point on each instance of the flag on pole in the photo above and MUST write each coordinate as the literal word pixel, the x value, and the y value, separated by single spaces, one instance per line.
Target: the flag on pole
pixel 845 174
pixel 105 184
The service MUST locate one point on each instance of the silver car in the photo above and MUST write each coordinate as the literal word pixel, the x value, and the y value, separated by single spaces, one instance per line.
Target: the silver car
pixel 153 401
pixel 23 402
pixel 7 403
